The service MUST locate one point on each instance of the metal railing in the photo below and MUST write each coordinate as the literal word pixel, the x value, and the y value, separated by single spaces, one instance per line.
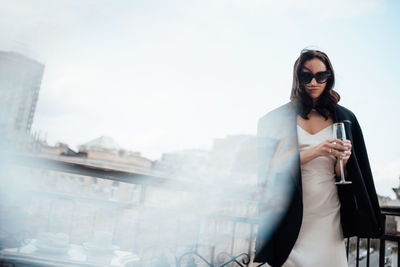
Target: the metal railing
pixel 193 256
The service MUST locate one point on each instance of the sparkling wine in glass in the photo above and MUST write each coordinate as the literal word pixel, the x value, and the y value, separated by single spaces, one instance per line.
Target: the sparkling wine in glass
pixel 340 133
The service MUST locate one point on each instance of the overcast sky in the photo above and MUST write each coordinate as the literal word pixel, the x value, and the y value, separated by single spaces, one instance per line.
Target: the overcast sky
pixel 160 76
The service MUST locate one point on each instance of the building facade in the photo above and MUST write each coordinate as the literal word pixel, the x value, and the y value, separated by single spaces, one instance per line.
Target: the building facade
pixel 20 80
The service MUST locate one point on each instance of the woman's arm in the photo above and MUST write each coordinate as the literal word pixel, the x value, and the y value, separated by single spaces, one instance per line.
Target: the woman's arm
pixel 326 148
pixel 308 155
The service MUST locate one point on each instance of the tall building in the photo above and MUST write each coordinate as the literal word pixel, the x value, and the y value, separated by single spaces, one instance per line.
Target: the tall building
pixel 20 80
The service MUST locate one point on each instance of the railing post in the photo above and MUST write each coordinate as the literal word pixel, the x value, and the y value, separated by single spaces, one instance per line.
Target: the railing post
pixel 358 251
pixel 382 253
pixel 368 252
pixel 251 242
pixel 233 238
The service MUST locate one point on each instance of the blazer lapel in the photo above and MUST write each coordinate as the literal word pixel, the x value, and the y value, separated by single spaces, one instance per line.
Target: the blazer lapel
pixel 292 119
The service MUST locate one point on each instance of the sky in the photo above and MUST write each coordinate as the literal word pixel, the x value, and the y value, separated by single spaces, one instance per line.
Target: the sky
pixel 162 76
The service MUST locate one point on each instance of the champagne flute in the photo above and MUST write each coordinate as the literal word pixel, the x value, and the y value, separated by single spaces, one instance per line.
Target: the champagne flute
pixel 340 133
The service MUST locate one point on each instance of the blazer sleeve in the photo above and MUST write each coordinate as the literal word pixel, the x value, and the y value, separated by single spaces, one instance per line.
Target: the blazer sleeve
pixel 363 161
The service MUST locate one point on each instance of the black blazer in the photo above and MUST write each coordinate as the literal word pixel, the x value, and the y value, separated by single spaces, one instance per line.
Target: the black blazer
pixel 280 161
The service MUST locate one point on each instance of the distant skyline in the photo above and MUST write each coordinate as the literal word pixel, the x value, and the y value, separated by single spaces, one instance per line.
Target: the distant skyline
pixel 161 76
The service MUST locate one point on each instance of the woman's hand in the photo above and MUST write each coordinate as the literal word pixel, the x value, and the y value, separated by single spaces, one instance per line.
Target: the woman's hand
pixel 330 147
pixel 345 155
pixel 326 148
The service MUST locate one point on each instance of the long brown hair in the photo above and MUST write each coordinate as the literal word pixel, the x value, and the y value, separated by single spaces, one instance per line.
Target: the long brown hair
pixel 327 102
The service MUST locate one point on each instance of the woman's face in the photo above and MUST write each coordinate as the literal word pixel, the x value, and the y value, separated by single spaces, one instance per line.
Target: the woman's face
pixel 313 88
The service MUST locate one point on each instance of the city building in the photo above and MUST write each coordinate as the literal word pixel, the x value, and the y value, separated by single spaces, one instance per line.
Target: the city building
pixel 232 159
pixel 101 152
pixel 106 149
pixel 20 80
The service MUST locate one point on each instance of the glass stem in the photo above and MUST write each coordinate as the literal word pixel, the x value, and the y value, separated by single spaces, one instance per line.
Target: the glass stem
pixel 341 170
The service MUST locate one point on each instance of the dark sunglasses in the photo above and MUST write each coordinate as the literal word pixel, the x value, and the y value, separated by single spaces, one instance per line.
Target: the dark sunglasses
pixel 320 77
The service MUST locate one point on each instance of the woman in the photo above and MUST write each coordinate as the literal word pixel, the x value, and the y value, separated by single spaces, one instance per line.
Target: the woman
pixel 319 214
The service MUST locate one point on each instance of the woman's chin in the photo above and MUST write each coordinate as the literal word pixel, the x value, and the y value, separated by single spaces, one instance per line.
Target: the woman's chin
pixel 315 96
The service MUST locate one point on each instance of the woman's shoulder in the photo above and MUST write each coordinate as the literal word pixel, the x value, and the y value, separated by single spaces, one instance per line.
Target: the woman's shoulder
pixel 277 121
pixel 277 113
pixel 345 113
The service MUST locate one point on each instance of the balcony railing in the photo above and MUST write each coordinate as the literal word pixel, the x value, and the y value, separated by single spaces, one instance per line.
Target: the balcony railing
pixel 230 242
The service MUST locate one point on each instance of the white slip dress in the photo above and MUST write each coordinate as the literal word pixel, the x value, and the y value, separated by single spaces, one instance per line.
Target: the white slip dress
pixel 320 241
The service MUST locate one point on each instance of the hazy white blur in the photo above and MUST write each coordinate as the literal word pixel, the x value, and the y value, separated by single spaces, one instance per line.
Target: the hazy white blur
pixel 128 128
pixel 103 204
